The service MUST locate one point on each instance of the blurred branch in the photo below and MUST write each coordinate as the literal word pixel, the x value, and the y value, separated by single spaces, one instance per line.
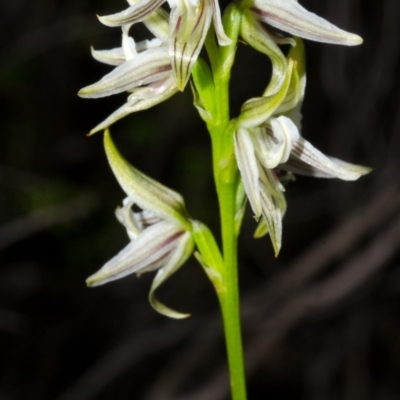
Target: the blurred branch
pixel 23 227
pixel 351 276
pixel 125 355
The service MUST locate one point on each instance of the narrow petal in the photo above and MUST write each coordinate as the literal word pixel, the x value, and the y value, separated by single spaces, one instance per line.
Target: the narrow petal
pixel 290 16
pixel 144 191
pixel 258 38
pixel 111 57
pixel 132 14
pixel 148 251
pixel 273 208
pixel 141 100
pixel 126 217
pixel 257 110
pixel 181 253
pixel 145 68
pixel 273 146
pixel 188 29
pixel 307 160
pixel 241 202
pixel 261 230
pixel 222 38
pixel 247 164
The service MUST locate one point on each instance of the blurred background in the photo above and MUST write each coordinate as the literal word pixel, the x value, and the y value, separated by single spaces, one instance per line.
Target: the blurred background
pixel 320 322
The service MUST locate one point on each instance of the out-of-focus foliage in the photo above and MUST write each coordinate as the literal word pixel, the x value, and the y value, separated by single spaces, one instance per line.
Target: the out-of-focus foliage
pixel 320 322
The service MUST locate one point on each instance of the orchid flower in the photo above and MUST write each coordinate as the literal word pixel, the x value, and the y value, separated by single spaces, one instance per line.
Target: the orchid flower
pixel 160 235
pixel 143 69
pixel 188 26
pixel 268 139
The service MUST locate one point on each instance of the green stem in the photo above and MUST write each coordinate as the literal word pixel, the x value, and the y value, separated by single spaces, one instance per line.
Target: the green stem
pixel 226 180
pixel 229 298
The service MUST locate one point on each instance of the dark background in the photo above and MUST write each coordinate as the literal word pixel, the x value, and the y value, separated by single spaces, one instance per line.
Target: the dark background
pixel 320 322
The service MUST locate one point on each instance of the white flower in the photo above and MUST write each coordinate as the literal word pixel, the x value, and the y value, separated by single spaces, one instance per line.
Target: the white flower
pixel 268 138
pixel 188 26
pixel 143 69
pixel 160 235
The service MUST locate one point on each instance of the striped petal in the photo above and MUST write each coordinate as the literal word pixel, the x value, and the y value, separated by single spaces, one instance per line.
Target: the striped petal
pixel 273 207
pixel 290 16
pixel 142 99
pixel 147 193
pixel 188 30
pixel 248 166
pixel 305 159
pixel 182 251
pixel 150 250
pixel 256 111
pixel 147 67
pixel 258 38
pixel 132 14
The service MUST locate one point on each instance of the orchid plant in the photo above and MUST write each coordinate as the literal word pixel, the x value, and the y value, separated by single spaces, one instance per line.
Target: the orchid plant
pixel 254 154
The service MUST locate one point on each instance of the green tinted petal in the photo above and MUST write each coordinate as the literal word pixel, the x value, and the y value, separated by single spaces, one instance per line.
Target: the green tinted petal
pixel 257 37
pixel 182 252
pixel 147 193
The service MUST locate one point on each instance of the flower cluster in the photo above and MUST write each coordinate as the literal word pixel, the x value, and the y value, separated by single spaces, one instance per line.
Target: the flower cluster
pixel 266 139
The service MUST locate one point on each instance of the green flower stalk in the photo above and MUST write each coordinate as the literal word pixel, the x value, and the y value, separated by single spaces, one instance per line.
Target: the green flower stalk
pixel 254 154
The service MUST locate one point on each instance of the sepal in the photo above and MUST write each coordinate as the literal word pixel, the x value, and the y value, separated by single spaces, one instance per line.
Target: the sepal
pixel 179 256
pixel 188 29
pixel 147 252
pixel 147 193
pixel 289 16
pixel 256 111
pixel 141 99
pixel 132 14
pixel 258 38
pixel 147 67
pixel 307 160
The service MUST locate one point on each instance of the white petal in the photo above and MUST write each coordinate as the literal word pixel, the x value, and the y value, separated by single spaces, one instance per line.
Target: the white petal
pixel 149 250
pixel 188 30
pixel 273 206
pixel 132 14
pixel 323 166
pixel 111 57
pixel 222 38
pixel 145 68
pixel 289 16
pixel 128 44
pixel 182 251
pixel 140 100
pixel 274 150
pixel 247 164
